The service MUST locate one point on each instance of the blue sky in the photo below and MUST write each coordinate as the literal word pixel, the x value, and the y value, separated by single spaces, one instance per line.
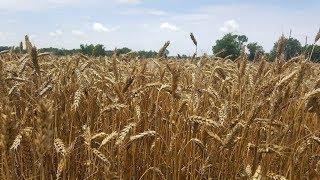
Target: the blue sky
pixel 147 24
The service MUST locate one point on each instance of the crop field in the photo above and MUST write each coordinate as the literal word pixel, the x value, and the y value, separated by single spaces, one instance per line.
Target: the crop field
pixel 124 117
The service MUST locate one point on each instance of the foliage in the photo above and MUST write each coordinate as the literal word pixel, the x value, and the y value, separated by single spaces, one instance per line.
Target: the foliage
pixel 253 49
pixel 87 49
pixel 316 52
pixel 98 50
pixel 292 48
pixel 59 52
pixel 229 45
pixel 147 54
pixel 123 50
pixel 3 48
pixel 91 50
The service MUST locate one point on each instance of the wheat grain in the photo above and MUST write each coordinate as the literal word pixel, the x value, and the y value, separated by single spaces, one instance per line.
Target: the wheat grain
pixel 100 156
pixel 163 49
pixel 108 138
pixel 124 133
pixel 316 39
pixel 146 134
pixel 16 142
pixel 60 147
pixel 126 117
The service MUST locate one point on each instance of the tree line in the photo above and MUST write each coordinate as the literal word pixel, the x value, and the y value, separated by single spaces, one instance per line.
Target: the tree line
pixel 87 49
pixel 229 46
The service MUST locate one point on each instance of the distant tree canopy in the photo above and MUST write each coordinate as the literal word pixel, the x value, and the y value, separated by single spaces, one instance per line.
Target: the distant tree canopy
pixel 87 49
pixel 292 48
pixel 99 50
pixel 229 45
pixel 316 52
pixel 254 48
pixel 147 54
pixel 123 50
pixel 3 48
pixel 90 50
pixel 59 52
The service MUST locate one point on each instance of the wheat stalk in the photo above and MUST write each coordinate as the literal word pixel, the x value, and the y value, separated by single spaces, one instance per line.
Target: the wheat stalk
pixel 194 40
pixel 108 138
pixel 124 133
pixel 34 59
pixel 163 49
pixel 316 39
pixel 28 44
pixel 146 134
pixel 60 147
pixel 16 142
pixel 100 156
pixel 281 44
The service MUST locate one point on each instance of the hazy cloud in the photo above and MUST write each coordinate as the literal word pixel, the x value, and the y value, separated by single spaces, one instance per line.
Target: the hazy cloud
pixel 168 26
pixel 230 26
pixel 98 27
pixel 57 32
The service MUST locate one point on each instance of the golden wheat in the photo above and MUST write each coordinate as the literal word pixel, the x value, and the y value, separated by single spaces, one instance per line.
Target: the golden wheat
pixel 81 117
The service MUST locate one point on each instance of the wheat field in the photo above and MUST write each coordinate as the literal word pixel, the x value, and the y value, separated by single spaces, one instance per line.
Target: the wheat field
pixel 79 117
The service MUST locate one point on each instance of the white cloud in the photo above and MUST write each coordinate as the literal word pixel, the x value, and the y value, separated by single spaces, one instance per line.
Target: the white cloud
pixel 168 26
pixel 230 26
pixel 57 32
pixel 78 33
pixel 98 27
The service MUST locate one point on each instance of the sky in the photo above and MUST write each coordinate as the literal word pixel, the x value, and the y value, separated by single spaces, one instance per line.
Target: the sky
pixel 148 24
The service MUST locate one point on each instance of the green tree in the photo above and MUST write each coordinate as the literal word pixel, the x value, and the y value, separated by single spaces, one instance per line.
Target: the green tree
pixel 3 48
pixel 147 54
pixel 59 52
pixel 229 45
pixel 253 49
pixel 87 49
pixel 98 50
pixel 316 52
pixel 242 39
pixel 292 48
pixel 123 50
